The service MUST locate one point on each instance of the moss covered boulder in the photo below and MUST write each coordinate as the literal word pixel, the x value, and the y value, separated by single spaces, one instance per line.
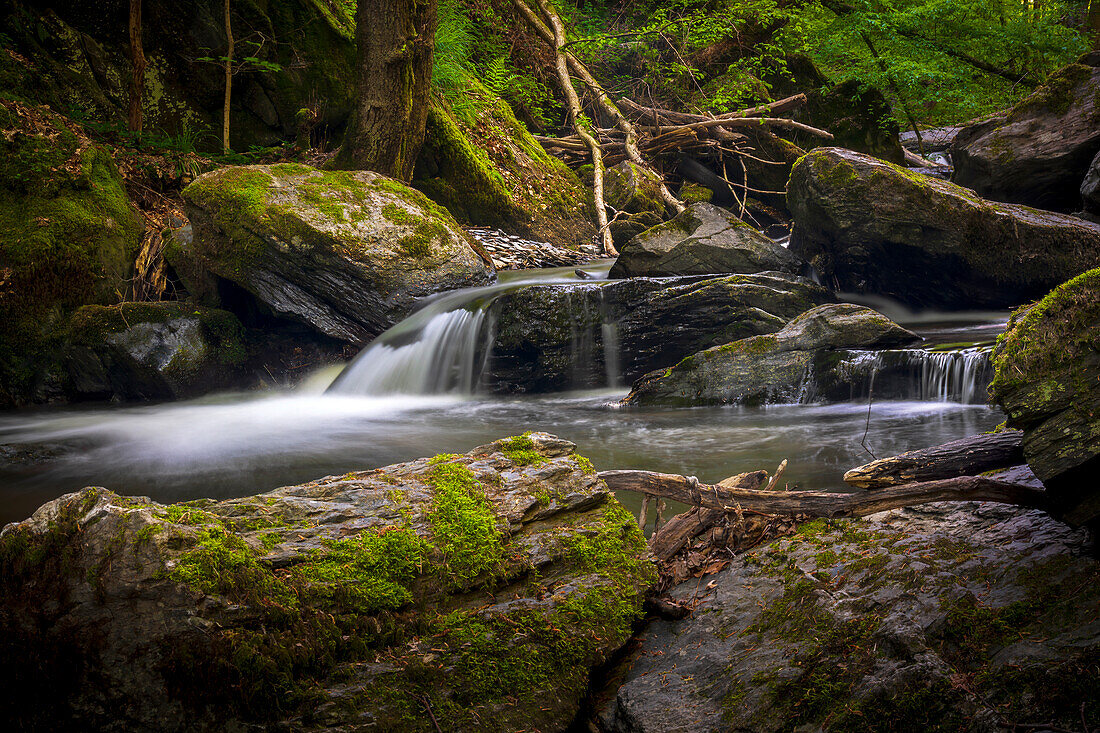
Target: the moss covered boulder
pixel 482 164
pixel 776 367
pixel 1037 152
pixel 152 351
pixel 944 618
pixel 347 253
pixel 477 589
pixel 550 338
pixel 702 240
pixel 873 227
pixel 68 236
pixel 1048 381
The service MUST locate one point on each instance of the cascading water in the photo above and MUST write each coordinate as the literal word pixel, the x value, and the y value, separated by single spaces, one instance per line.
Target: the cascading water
pixel 910 374
pixel 442 348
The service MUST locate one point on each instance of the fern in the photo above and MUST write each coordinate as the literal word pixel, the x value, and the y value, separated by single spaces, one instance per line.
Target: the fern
pixel 452 67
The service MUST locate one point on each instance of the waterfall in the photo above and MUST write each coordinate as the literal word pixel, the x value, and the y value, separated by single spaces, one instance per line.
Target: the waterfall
pixel 905 374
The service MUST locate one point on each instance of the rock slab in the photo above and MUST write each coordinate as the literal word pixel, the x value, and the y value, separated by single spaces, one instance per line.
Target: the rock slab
pixel 1048 381
pixel 477 589
pixel 944 617
pixel 347 253
pixel 872 227
pixel 1037 152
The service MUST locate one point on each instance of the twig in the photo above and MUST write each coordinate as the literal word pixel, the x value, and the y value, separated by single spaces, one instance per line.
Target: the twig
pixel 778 473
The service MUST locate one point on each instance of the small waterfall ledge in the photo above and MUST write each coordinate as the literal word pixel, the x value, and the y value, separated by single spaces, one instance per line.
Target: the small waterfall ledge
pixel 448 347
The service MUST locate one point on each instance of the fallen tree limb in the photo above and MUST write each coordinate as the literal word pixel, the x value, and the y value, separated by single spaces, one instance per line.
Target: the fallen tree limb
pixel 553 32
pixel 682 528
pixel 964 457
pixel 688 490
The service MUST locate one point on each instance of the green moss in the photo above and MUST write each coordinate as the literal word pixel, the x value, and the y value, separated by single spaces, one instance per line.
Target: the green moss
pixel 584 463
pixel 366 573
pixel 222 563
pixel 464 527
pixel 424 239
pixel 397 215
pixel 521 450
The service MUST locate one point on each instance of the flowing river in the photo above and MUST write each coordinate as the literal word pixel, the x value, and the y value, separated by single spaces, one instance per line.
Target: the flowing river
pixel 415 392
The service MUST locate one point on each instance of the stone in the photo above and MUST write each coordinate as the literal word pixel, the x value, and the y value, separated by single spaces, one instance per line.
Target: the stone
pixel 550 338
pixel 633 189
pixel 347 253
pixel 871 227
pixel 873 625
pixel 1037 152
pixel 775 367
pixel 480 589
pixel 702 240
pixel 68 236
pixel 1090 187
pixel 1048 381
pixel 152 351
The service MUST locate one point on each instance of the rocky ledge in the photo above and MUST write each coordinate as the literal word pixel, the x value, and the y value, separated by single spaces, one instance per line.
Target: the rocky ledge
pixel 939 618
pixel 471 592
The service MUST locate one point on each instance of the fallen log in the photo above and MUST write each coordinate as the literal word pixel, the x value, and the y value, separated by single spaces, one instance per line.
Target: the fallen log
pixel 963 457
pixel 688 490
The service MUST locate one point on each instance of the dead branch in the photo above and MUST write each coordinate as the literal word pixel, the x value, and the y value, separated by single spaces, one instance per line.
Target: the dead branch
pixel 688 490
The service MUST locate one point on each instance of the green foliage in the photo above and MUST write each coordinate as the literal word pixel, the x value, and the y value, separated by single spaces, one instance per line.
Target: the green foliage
pixel 521 450
pixel 463 524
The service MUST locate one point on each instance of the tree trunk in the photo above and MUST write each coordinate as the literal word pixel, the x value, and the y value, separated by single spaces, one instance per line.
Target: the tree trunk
pixel 1093 23
pixel 228 79
pixel 396 40
pixel 137 63
pixel 964 457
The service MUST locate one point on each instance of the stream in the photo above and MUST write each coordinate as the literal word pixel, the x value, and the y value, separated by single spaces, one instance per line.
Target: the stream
pixel 415 391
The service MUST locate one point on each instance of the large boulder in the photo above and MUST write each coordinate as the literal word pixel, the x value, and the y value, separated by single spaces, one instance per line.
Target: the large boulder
pixel 1038 152
pixel 872 227
pixel 702 240
pixel 1048 381
pixel 550 338
pixel 938 618
pixel 774 367
pixel 1090 187
pixel 68 236
pixel 479 590
pixel 347 253
pixel 152 351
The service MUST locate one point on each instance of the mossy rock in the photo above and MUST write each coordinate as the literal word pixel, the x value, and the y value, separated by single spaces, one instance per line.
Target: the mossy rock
pixel 873 227
pixel 68 236
pixel 774 367
pixel 702 240
pixel 1048 381
pixel 484 587
pixel 633 189
pixel 485 168
pixel 152 351
pixel 347 253
pixel 1038 152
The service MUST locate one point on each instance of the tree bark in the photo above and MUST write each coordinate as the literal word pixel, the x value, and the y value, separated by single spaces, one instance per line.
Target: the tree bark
pixel 822 504
pixel 228 79
pixel 137 72
pixel 965 457
pixel 396 41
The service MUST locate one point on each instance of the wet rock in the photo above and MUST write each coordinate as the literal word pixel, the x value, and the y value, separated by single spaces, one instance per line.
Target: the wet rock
pixel 775 367
pixel 1037 152
pixel 152 351
pixel 872 227
pixel 934 140
pixel 703 240
pixel 1090 187
pixel 1048 381
pixel 347 253
pixel 550 338
pixel 948 616
pixel 481 588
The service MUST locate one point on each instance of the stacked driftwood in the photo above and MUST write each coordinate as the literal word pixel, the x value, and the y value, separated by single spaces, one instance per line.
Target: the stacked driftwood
pixel 745 510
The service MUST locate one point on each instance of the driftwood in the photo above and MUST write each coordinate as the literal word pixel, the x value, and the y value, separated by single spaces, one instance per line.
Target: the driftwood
pixel 682 528
pixel 964 457
pixel 689 490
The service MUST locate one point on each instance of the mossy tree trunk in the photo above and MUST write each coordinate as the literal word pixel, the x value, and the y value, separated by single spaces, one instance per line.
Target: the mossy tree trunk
pixel 137 60
pixel 396 39
pixel 228 79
